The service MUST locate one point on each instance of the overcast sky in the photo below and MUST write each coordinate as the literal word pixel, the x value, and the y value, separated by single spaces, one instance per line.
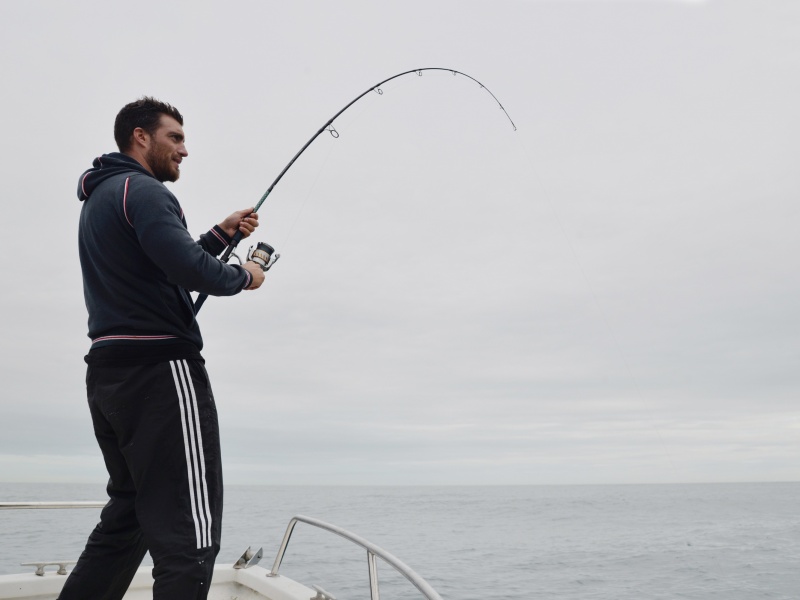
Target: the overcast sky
pixel 607 295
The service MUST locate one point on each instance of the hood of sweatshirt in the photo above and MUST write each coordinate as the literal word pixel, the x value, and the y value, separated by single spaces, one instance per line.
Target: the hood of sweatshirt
pixel 104 167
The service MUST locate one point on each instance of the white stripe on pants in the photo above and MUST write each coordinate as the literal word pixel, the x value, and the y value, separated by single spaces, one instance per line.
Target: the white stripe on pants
pixel 193 445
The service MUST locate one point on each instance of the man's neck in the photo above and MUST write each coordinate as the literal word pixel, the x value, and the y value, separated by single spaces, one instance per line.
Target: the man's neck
pixel 139 157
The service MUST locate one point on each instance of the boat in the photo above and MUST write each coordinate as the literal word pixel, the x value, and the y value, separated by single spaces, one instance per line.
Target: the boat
pixel 243 579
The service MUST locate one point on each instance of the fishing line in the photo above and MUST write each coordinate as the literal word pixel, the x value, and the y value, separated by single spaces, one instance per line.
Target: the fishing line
pixel 638 390
pixel 595 300
pixel 307 196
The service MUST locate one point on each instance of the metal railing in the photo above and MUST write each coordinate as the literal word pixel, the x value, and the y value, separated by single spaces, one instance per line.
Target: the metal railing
pixel 61 564
pixel 373 551
pixel 24 505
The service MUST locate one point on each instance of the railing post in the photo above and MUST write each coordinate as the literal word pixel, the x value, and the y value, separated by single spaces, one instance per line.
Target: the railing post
pixel 374 590
pixel 282 550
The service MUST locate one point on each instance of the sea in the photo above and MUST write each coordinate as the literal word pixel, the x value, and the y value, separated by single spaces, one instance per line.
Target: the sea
pixel 581 542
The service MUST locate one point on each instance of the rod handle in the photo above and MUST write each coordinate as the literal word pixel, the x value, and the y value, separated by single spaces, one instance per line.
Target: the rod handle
pixel 238 236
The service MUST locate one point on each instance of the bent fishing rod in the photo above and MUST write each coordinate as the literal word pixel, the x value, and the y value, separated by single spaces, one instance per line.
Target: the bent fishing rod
pixel 263 254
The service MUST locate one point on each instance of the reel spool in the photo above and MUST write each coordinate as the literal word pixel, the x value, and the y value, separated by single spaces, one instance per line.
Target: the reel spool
pixel 263 256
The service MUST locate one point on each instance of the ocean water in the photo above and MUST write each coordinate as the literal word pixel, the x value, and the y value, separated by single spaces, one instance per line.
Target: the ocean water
pixel 700 542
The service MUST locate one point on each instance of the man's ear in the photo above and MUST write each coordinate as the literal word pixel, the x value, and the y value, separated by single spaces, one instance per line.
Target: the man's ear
pixel 140 137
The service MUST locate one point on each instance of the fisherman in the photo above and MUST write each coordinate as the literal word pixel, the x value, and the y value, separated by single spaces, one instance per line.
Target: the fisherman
pixel 149 395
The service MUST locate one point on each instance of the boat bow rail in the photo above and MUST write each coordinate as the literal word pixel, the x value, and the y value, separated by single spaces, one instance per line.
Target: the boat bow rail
pixel 373 551
pixel 18 587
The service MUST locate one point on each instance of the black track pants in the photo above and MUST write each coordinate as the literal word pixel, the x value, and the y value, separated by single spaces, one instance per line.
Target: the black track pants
pixel 157 428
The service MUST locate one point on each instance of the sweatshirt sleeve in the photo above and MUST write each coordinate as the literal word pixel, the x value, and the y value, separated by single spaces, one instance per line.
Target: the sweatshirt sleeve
pixel 157 219
pixel 214 241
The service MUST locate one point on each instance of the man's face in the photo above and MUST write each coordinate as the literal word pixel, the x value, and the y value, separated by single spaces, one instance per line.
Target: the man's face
pixel 167 150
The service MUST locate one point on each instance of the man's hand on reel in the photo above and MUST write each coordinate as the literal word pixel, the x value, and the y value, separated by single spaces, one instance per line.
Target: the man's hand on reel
pixel 256 272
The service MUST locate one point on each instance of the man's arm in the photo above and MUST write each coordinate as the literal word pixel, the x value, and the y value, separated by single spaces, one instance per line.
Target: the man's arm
pixel 156 217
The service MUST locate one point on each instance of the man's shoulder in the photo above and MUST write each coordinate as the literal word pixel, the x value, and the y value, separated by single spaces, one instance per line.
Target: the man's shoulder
pixel 145 199
pixel 139 185
pixel 130 188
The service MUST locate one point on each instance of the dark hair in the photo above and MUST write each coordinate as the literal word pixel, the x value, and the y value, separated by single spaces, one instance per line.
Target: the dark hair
pixel 145 113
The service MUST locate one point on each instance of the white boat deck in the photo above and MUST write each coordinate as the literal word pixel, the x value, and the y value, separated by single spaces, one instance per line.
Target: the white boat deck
pixel 228 584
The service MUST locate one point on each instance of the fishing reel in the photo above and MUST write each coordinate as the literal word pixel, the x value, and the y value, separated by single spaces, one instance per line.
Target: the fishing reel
pixel 264 256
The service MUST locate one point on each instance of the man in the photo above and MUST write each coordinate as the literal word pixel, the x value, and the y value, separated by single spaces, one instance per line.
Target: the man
pixel 149 396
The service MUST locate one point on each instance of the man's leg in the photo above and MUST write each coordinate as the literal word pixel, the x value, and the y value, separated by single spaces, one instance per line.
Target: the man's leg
pixel 165 426
pixel 178 474
pixel 116 546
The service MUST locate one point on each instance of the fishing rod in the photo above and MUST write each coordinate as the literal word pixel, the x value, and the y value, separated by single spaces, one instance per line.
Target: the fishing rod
pixel 263 254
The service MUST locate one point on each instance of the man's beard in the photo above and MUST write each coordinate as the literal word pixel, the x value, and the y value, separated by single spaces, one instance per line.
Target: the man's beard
pixel 161 165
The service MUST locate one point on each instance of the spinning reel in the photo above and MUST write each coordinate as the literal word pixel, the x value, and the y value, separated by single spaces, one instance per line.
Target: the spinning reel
pixel 263 255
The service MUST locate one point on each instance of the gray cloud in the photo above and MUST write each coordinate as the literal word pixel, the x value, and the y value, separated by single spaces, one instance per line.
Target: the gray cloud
pixel 607 294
